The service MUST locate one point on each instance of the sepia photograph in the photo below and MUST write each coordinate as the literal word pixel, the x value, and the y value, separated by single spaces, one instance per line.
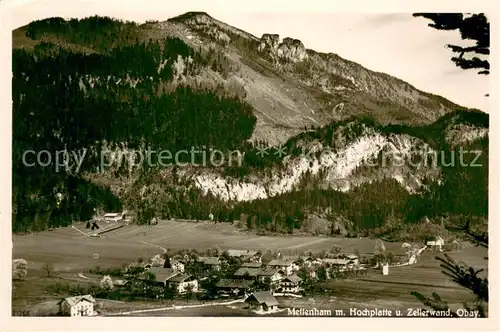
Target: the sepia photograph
pixel 178 161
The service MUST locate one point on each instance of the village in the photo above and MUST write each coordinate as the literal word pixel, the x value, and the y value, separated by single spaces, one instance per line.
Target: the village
pixel 255 281
pixel 252 277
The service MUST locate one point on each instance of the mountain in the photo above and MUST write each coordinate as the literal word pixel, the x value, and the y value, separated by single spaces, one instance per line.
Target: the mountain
pixel 308 127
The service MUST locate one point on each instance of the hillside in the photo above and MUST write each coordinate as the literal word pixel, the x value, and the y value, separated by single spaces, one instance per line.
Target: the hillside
pixel 100 86
pixel 290 87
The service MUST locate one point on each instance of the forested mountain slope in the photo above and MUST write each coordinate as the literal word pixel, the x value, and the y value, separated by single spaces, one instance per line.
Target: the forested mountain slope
pixel 99 84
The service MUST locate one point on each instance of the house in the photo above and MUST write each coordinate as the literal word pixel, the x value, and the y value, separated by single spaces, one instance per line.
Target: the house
pixel 340 264
pixel 311 261
pixel 182 283
pixel 177 265
pixel 235 287
pixel 287 266
pixel 162 275
pixel 211 262
pixel 77 306
pixel 352 258
pixel 262 301
pixel 290 284
pixel 262 274
pixel 435 242
pixel 112 217
pixel 249 255
pixel 273 275
pixel 120 283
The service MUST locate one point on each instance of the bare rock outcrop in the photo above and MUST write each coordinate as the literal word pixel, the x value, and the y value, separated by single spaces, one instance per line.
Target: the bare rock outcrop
pixel 289 49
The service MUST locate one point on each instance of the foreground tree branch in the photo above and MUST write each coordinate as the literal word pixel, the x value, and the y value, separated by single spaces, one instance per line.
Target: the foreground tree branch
pixel 474 27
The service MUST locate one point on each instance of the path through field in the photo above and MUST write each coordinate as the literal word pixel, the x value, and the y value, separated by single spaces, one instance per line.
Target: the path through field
pixel 175 308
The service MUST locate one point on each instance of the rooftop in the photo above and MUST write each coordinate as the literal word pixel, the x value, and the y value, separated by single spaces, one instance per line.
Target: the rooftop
pixel 114 214
pixel 336 261
pixel 209 260
pixel 280 262
pixel 242 271
pixel 180 278
pixel 293 278
pixel 234 283
pixel 74 300
pixel 241 252
pixel 263 297
pixel 252 264
pixel 162 273
pixel 268 272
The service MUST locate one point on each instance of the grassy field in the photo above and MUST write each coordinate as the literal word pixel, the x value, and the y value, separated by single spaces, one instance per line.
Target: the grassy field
pixel 68 250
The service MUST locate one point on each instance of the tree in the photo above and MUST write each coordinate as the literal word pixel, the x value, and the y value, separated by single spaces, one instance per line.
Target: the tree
pixel 189 291
pixel 321 274
pixel 150 277
pixel 336 249
pixel 19 269
pixel 157 261
pixel 357 253
pixel 166 264
pixel 106 283
pixel 474 27
pixel 379 252
pixel 48 269
pixel 306 280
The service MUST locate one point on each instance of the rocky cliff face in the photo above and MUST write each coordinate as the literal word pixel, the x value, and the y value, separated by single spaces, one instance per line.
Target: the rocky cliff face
pixel 288 50
pixel 342 168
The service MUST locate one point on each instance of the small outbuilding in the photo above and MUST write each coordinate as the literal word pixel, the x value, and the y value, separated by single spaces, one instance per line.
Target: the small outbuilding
pixel 263 301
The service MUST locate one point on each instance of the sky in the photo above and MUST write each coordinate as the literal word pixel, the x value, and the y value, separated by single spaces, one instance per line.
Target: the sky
pixel 385 39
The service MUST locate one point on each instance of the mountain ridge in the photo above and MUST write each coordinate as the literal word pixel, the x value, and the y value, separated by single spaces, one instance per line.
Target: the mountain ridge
pixel 287 101
pixel 194 82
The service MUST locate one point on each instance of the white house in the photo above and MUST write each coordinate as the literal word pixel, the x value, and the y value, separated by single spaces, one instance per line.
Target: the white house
pixel 112 217
pixel 311 261
pixel 275 276
pixel 290 284
pixel 287 266
pixel 183 282
pixel 436 242
pixel 352 258
pixel 177 265
pixel 77 306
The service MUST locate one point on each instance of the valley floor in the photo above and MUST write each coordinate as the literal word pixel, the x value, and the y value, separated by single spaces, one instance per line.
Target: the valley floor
pixel 72 253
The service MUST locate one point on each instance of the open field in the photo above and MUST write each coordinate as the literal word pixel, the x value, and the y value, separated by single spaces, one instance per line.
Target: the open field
pixel 68 250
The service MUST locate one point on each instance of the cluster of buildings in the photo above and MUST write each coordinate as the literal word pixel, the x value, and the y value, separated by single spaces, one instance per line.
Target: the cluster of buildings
pixel 257 282
pixel 279 276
